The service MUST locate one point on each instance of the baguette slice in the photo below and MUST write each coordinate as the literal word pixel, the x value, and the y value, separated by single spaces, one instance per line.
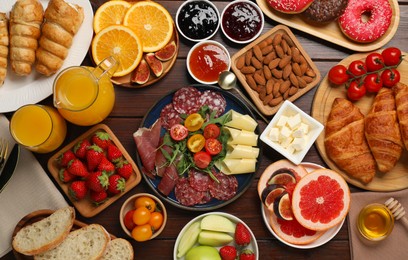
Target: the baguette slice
pixel 118 249
pixel 88 243
pixel 46 233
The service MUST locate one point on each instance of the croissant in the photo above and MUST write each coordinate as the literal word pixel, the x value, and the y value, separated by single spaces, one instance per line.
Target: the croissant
pixel 345 142
pixel 401 101
pixel 4 42
pixel 26 18
pixel 382 131
pixel 62 22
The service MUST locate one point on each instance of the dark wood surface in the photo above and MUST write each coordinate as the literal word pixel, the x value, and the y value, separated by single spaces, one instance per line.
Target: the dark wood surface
pixel 132 104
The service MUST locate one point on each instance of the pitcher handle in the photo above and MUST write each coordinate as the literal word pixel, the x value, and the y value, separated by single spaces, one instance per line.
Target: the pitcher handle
pixel 107 66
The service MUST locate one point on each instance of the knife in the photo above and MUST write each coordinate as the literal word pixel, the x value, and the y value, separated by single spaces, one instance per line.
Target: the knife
pixel 9 165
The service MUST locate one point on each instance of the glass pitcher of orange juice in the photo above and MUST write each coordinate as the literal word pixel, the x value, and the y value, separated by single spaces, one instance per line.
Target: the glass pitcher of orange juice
pixel 85 95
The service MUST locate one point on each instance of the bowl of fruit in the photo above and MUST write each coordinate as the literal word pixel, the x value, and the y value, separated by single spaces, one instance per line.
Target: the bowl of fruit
pixel 143 216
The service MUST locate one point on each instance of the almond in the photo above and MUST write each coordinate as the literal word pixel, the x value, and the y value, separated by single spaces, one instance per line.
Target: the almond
pixel 267 99
pixel 275 90
pixel 284 61
pixel 257 52
pixel 248 56
pixel 293 79
pixel 292 90
pixel 275 101
pixel 269 57
pixel 256 63
pixel 277 73
pixel 279 51
pixel 263 44
pixel 286 71
pixel 288 40
pixel 251 82
pixel 284 86
pixel 296 69
pixel 310 73
pixel 267 72
pixel 274 63
pixel 302 82
pixel 266 50
pixel 240 62
pixel 307 79
pixel 286 95
pixel 262 94
pixel 259 79
pixel 303 68
pixel 248 69
pixel 285 46
pixel 295 54
pixel 269 86
pixel 277 39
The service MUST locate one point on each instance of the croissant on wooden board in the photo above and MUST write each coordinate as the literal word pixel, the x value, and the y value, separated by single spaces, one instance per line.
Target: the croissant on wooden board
pixel 26 18
pixel 401 101
pixel 345 142
pixel 4 42
pixel 62 22
pixel 382 131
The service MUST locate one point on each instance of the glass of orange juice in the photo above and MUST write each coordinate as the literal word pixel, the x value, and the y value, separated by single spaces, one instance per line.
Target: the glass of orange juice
pixel 40 129
pixel 85 95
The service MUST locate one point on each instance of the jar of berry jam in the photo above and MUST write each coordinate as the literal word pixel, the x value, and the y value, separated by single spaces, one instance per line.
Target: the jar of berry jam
pixel 242 21
pixel 197 20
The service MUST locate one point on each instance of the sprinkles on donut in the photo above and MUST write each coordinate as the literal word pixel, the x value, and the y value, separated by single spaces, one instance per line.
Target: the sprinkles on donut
pixel 290 6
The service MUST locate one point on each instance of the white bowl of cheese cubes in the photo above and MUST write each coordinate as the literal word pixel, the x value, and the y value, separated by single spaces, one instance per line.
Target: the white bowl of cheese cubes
pixel 291 132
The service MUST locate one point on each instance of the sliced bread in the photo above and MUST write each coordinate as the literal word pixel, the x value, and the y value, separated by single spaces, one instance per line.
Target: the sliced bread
pixel 46 233
pixel 88 242
pixel 118 249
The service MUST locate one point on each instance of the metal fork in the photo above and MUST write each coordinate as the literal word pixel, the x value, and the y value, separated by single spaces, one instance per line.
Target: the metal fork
pixel 3 151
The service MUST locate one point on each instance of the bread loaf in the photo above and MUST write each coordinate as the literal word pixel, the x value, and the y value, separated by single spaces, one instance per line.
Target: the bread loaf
pixel 4 43
pixel 401 101
pixel 118 249
pixel 44 234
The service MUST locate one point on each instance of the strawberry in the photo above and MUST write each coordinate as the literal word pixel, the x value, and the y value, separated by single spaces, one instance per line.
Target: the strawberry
pixel 94 155
pixel 65 158
pixel 101 139
pixel 77 167
pixel 81 147
pixel 113 153
pixel 228 253
pixel 97 181
pixel 106 166
pixel 242 235
pixel 77 190
pixel 247 254
pixel 124 169
pixel 116 184
pixel 98 197
pixel 65 176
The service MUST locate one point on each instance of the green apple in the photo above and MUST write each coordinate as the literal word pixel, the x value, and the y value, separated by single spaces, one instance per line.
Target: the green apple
pixel 217 223
pixel 188 239
pixel 203 253
pixel 214 238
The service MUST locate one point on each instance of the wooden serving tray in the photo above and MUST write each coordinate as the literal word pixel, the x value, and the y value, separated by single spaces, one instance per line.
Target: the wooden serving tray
pixel 331 31
pixel 85 207
pixel 37 216
pixel 397 178
pixel 266 109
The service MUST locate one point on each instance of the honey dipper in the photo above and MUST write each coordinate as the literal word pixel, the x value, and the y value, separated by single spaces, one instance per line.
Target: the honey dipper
pixel 397 210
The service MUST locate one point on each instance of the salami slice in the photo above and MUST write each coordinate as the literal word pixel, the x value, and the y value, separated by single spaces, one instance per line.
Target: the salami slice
pixel 187 100
pixel 206 198
pixel 169 116
pixel 214 100
pixel 226 188
pixel 199 180
pixel 186 194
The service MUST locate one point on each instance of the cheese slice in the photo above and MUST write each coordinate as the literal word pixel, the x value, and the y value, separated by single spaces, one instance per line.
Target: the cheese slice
pixel 236 166
pixel 238 151
pixel 243 122
pixel 243 137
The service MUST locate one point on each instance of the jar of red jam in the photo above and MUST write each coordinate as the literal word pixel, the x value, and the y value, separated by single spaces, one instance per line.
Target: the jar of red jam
pixel 206 60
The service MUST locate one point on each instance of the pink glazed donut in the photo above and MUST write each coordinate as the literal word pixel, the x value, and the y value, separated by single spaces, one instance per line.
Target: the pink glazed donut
pixel 290 6
pixel 379 15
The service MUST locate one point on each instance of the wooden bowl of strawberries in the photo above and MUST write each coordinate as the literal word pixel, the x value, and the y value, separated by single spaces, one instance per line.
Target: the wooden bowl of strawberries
pixel 94 170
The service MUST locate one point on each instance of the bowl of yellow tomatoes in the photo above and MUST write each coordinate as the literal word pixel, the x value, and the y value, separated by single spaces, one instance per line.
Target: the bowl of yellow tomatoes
pixel 143 217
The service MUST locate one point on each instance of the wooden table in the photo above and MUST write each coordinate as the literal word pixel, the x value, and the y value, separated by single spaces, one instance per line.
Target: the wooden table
pixel 132 104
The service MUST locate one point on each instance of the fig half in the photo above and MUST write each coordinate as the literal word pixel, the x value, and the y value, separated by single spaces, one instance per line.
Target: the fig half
pixel 283 207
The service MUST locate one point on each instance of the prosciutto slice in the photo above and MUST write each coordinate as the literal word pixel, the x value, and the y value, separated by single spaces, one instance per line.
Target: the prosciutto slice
pixel 169 180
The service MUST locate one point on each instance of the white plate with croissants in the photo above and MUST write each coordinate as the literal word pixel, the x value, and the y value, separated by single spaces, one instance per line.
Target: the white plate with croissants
pixel 362 140
pixel 41 37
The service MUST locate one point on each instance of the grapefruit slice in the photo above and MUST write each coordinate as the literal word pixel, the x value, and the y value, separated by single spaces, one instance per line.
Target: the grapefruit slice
pixel 321 200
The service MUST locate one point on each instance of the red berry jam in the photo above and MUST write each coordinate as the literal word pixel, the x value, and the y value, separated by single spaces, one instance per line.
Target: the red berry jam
pixel 241 21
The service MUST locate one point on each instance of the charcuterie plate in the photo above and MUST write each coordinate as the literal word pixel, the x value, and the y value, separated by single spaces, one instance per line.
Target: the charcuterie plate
pixel 331 31
pixel 244 180
pixel 397 178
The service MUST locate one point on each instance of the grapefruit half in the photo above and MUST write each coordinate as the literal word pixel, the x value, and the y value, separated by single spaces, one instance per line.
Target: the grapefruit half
pixel 321 200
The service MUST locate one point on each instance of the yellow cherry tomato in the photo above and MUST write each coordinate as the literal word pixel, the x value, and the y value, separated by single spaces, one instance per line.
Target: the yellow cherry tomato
pixel 156 220
pixel 147 202
pixel 142 233
pixel 194 122
pixel 196 143
pixel 141 216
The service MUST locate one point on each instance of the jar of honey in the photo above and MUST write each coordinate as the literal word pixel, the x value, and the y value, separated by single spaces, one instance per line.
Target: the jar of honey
pixel 375 222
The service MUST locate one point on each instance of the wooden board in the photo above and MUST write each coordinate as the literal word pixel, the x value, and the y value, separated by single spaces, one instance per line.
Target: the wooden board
pixel 266 109
pixel 331 31
pixel 85 207
pixel 397 178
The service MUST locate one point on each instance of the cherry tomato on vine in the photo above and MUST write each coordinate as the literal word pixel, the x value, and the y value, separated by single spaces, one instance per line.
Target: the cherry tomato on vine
pixel 146 202
pixel 356 91
pixel 392 56
pixel 213 146
pixel 211 131
pixel 142 233
pixel 202 159
pixel 374 61
pixel 373 82
pixel 156 220
pixel 194 122
pixel 196 143
pixel 338 74
pixel 178 132
pixel 141 216
pixel 357 68
pixel 390 77
pixel 128 220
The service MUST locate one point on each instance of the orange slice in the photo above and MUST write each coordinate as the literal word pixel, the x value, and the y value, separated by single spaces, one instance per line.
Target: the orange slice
pixel 110 13
pixel 152 23
pixel 120 42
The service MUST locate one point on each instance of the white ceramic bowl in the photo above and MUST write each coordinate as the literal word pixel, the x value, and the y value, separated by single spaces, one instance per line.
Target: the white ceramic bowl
pixel 216 50
pixel 129 205
pixel 242 8
pixel 201 18
pixel 288 109
pixel 253 245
